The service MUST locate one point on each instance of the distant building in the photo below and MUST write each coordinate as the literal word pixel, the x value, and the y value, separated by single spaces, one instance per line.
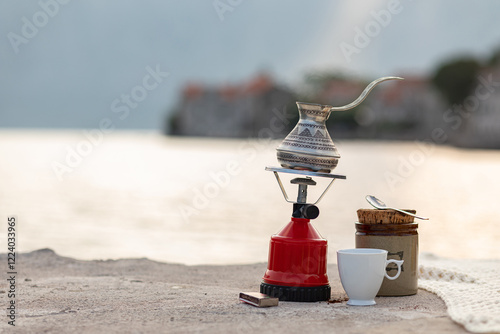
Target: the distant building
pixel 337 92
pixel 235 110
pixel 409 109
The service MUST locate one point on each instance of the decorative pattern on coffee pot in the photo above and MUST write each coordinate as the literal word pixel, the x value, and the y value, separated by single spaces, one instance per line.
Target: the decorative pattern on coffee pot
pixel 309 145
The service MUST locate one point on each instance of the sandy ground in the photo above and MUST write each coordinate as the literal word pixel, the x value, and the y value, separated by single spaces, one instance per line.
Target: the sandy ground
pixel 61 295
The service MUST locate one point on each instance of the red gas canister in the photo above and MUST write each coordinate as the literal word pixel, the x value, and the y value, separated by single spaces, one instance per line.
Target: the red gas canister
pixel 297 265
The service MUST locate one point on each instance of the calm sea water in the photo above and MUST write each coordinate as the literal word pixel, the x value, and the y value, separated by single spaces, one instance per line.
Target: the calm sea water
pixel 209 201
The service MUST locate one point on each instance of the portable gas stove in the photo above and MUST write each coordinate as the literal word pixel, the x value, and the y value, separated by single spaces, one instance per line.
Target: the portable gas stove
pixel 297 265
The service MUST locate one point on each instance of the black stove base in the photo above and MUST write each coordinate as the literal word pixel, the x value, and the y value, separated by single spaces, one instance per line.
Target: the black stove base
pixel 296 293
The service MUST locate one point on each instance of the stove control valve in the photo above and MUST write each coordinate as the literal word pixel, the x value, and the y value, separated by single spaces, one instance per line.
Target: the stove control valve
pixel 308 211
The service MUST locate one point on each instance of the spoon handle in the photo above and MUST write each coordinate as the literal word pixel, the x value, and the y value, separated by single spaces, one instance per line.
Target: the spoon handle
pixel 410 214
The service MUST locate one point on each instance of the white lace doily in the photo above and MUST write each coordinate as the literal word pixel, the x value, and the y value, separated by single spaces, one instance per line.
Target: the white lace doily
pixel 470 288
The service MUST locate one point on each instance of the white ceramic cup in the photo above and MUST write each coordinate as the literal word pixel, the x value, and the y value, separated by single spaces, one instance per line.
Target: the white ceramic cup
pixel 362 271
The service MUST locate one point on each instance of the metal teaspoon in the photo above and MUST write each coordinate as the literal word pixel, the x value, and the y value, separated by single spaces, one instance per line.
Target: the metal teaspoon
pixel 378 204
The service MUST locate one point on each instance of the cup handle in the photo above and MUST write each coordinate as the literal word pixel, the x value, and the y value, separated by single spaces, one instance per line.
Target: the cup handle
pixel 398 263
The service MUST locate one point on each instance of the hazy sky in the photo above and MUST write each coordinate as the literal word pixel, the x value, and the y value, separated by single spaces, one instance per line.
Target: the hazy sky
pixel 73 64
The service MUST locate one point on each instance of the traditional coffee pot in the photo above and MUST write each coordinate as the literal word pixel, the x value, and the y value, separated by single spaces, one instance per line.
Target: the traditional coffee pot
pixel 309 145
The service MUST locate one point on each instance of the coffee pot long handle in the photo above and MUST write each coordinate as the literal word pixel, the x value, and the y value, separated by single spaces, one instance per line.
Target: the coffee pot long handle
pixel 364 94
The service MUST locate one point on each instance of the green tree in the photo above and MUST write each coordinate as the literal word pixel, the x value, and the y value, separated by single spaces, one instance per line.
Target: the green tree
pixel 495 58
pixel 456 79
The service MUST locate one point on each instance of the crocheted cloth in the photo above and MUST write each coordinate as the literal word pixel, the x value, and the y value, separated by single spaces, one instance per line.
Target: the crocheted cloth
pixel 470 288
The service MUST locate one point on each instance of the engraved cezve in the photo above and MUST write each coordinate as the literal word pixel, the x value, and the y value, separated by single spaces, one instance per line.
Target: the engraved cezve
pixel 309 145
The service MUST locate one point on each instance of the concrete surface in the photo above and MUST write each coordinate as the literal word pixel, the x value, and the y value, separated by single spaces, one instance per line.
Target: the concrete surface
pixel 61 295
